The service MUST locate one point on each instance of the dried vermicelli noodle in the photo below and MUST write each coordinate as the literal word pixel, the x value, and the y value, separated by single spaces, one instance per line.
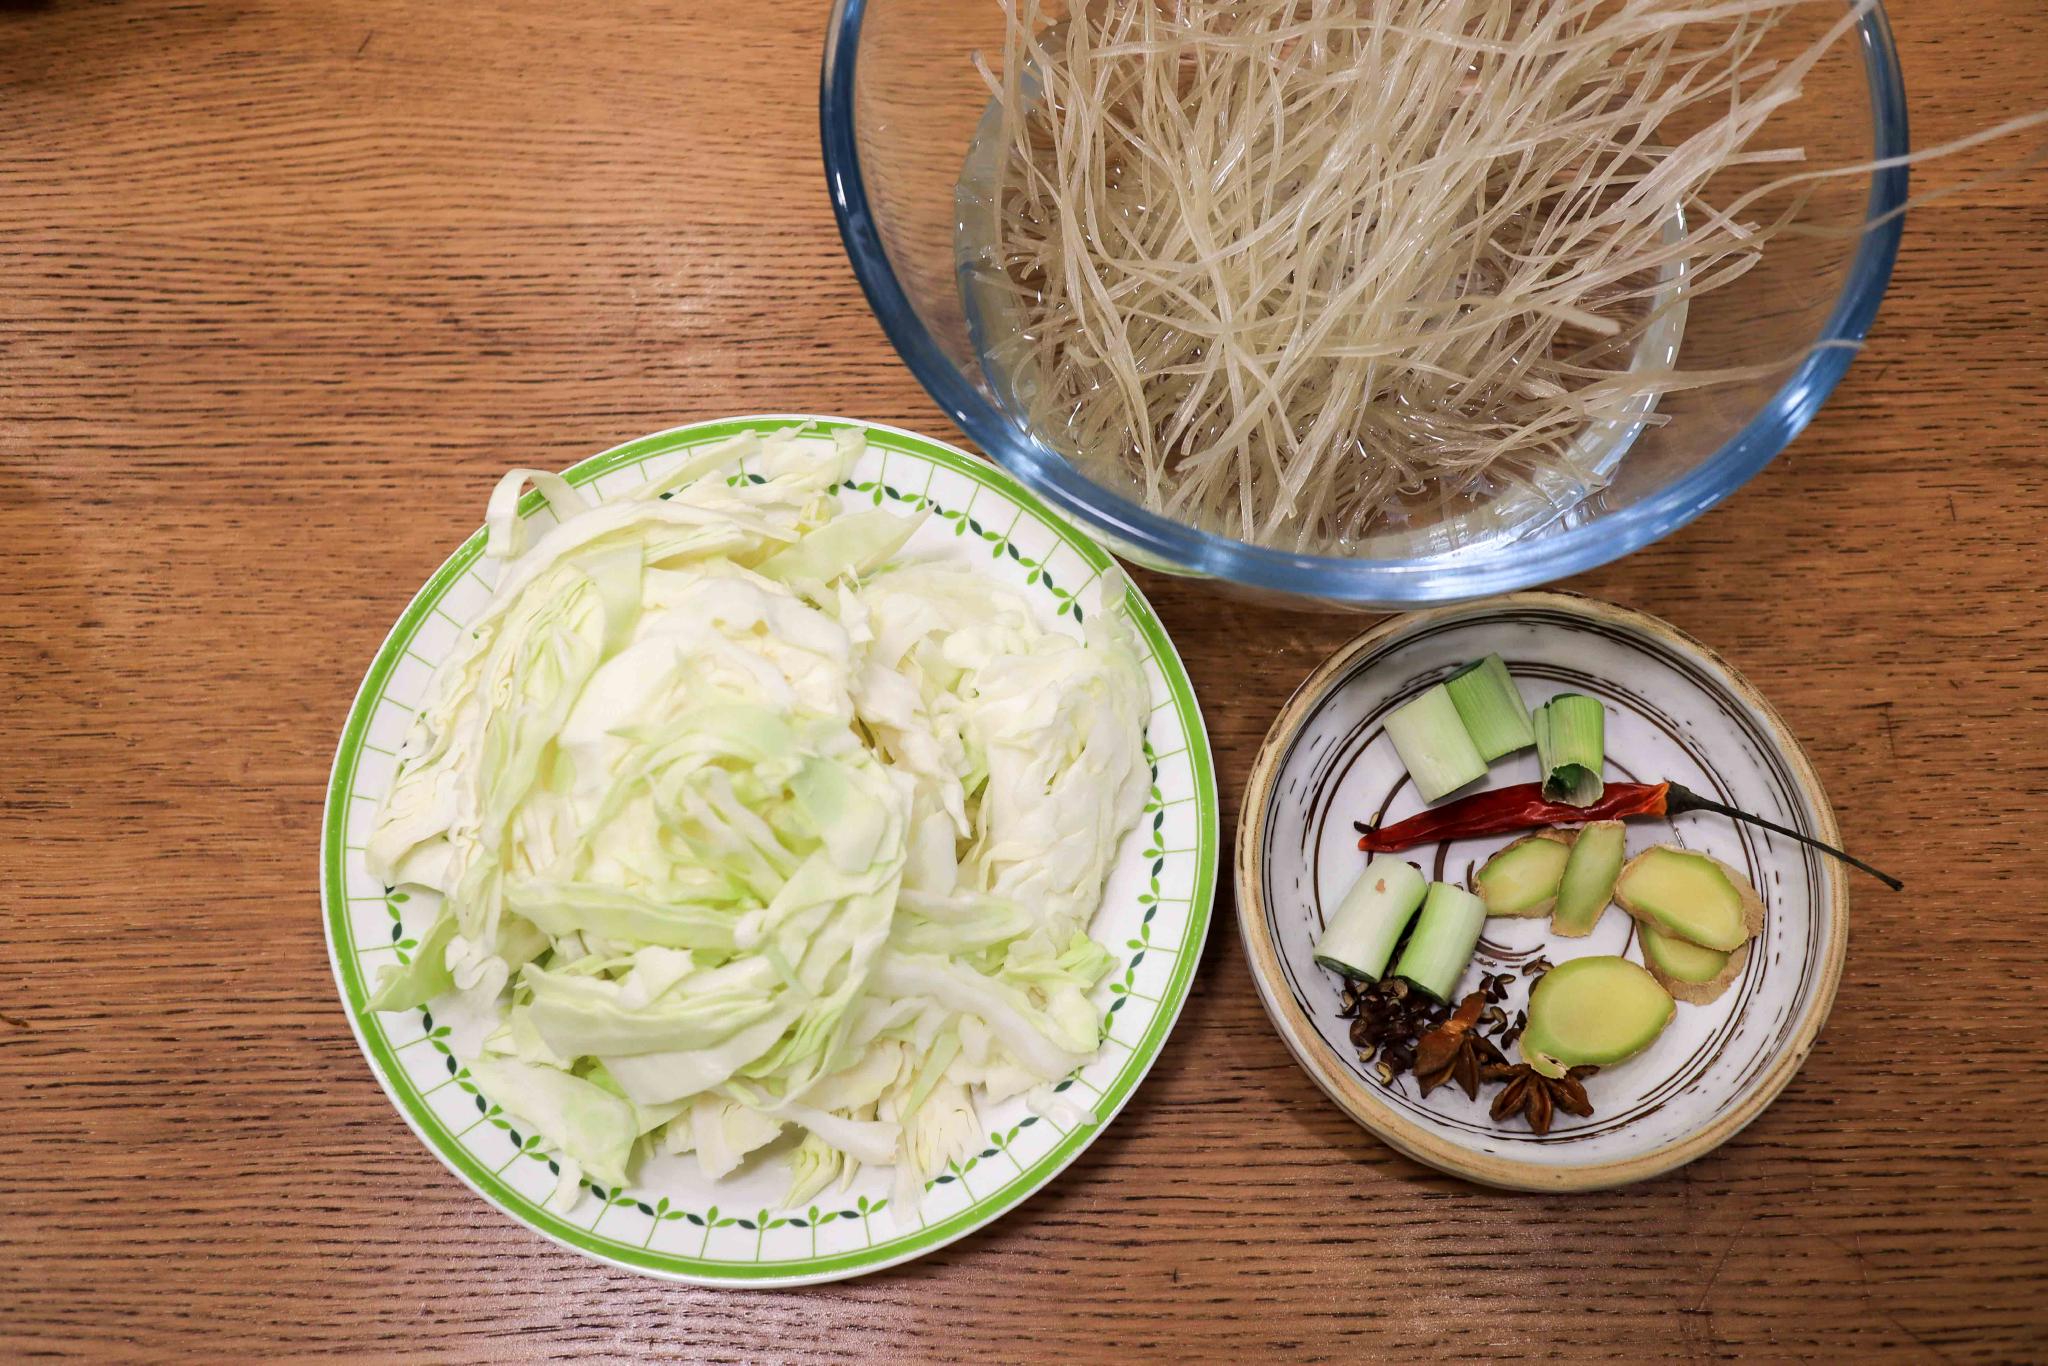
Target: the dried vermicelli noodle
pixel 1298 268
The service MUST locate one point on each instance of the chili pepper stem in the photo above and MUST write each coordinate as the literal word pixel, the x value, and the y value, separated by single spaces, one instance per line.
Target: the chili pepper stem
pixel 1681 799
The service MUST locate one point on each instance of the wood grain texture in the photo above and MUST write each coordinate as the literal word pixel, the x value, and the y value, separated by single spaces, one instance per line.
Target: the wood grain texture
pixel 269 269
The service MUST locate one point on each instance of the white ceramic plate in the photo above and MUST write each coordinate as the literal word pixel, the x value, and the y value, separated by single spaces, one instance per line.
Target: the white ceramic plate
pixel 1675 712
pixel 671 1221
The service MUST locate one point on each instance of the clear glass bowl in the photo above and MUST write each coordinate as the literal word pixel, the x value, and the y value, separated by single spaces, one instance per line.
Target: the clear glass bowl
pixel 900 104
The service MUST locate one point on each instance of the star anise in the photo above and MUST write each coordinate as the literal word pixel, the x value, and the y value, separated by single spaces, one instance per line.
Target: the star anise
pixel 1455 1051
pixel 1537 1098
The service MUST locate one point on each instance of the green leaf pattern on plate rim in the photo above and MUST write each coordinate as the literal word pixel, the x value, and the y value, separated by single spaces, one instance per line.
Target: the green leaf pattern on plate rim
pixel 622 1225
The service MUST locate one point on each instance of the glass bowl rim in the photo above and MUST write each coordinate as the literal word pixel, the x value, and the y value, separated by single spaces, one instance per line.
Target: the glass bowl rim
pixel 1378 582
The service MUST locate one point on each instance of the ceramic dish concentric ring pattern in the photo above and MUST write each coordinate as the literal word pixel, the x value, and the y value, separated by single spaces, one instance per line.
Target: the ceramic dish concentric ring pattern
pixel 673 1222
pixel 1674 712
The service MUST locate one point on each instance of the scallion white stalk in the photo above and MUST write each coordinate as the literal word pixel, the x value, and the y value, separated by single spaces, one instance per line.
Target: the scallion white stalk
pixel 1445 935
pixel 1431 739
pixel 1361 936
pixel 1493 711
pixel 1571 747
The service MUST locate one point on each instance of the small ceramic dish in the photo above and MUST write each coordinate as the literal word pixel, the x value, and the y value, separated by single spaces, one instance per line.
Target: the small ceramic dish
pixel 1674 712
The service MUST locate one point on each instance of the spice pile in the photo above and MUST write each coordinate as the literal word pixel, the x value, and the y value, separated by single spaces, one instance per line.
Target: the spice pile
pixel 1398 1029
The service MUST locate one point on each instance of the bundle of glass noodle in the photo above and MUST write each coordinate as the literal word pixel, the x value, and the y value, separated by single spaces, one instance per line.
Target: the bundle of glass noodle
pixel 1296 270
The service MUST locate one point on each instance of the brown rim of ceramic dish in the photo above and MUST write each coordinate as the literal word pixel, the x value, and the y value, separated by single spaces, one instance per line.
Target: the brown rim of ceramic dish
pixel 1315 1055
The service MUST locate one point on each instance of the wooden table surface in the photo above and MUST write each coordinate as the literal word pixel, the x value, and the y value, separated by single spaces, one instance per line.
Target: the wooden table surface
pixel 270 270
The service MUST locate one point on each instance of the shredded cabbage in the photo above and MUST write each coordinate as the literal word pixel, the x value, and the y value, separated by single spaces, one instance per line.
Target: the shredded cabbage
pixel 738 824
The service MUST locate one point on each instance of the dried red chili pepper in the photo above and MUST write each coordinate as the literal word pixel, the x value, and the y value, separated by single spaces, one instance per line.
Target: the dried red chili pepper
pixel 1523 807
